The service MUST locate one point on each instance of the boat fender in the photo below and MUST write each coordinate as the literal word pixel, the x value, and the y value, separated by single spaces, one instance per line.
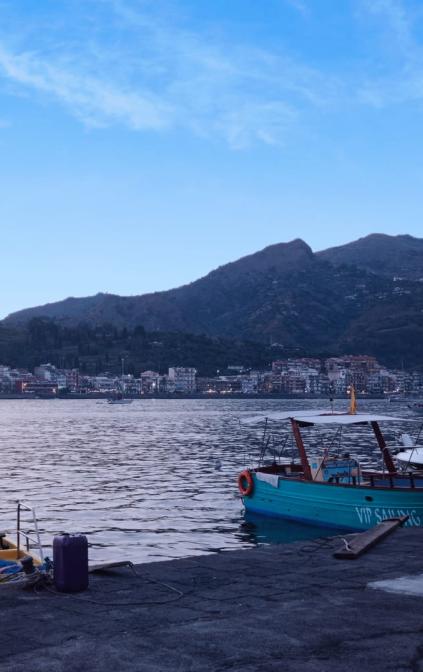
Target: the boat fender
pixel 246 483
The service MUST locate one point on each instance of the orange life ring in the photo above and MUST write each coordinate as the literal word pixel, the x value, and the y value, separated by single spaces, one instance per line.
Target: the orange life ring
pixel 245 483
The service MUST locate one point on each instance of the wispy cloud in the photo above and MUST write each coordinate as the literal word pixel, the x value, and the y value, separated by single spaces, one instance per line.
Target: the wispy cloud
pixel 157 74
pixel 144 65
pixel 94 101
pixel 398 77
pixel 300 6
pixel 396 18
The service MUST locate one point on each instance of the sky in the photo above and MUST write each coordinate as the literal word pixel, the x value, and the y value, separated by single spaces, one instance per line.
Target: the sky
pixel 145 142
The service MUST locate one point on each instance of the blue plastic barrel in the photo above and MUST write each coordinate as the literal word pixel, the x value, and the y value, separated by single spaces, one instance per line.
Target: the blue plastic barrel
pixel 70 562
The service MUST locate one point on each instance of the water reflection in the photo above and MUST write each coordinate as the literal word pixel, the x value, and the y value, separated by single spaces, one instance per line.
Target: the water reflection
pixel 150 481
pixel 265 530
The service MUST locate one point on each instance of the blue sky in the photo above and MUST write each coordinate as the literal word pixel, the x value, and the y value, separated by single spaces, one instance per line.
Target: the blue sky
pixel 145 142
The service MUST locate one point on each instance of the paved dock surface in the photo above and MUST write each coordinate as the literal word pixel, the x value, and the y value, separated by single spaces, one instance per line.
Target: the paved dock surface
pixel 271 609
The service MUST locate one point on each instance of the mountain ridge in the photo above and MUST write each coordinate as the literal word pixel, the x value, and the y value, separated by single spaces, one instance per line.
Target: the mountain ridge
pixel 255 262
pixel 284 293
pixel 379 253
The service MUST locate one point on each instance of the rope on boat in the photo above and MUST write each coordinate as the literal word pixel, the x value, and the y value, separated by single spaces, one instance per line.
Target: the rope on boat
pixel 346 544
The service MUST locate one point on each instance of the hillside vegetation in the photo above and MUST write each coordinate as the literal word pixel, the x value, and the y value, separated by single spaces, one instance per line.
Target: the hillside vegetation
pixel 98 349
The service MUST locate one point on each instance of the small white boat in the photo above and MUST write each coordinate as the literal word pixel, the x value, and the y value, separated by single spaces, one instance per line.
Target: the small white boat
pixel 119 401
pixel 412 458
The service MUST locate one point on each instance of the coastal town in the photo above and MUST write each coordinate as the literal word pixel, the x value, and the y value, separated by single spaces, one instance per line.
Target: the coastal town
pixel 293 377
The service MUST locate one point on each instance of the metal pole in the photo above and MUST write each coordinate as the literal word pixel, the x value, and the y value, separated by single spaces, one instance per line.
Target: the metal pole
pixel 301 450
pixel 18 531
pixel 37 533
pixel 383 448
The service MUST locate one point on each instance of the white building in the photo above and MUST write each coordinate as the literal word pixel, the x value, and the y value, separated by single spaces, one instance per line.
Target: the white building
pixel 182 379
pixel 249 385
pixel 50 374
pixel 47 372
pixel 104 383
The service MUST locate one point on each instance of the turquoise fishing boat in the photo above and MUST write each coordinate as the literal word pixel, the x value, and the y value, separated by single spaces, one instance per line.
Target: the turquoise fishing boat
pixel 333 490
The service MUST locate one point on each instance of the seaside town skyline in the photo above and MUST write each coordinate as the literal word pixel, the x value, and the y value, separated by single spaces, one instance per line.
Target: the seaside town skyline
pixel 303 376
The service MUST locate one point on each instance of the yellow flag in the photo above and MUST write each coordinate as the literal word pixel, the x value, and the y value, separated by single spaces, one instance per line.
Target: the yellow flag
pixel 353 402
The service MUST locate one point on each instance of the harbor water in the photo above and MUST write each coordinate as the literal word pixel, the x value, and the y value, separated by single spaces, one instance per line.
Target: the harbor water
pixel 152 480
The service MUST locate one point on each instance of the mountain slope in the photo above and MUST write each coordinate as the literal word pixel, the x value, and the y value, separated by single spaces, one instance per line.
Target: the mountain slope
pixel 400 256
pixel 217 298
pixel 324 302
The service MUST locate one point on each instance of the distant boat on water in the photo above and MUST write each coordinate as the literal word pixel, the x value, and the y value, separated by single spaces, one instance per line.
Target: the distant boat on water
pixel 411 455
pixel 119 399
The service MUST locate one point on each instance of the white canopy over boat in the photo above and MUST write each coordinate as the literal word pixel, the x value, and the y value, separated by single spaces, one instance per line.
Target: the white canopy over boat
pixel 324 417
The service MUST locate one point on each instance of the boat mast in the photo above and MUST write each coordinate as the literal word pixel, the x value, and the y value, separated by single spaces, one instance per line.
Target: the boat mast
pixel 383 448
pixel 301 450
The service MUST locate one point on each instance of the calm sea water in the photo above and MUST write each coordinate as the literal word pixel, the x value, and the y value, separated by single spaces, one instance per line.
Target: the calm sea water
pixel 149 481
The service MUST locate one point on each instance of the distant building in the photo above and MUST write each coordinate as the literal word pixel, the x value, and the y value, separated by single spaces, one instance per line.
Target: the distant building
pixel 237 368
pixel 182 379
pixel 150 382
pixel 219 385
pixel 48 373
pixel 351 370
pixel 45 372
pixel 40 388
pixel 249 385
pixel 72 379
pixel 103 383
pixel 13 380
pixel 381 382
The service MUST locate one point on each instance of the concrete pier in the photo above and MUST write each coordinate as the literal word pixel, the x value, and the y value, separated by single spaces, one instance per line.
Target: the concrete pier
pixel 272 609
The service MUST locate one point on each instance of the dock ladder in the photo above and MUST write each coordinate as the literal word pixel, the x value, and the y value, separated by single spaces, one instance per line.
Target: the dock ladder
pixel 29 541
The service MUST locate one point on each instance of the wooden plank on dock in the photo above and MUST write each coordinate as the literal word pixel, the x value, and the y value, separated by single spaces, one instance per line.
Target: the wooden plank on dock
pixel 112 565
pixel 361 543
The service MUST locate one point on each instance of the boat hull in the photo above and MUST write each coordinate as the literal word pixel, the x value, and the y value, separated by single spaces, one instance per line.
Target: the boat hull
pixel 339 506
pixel 9 552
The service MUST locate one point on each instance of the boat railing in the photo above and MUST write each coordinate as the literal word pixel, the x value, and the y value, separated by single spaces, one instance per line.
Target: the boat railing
pixel 371 479
pixel 21 534
pixel 394 480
